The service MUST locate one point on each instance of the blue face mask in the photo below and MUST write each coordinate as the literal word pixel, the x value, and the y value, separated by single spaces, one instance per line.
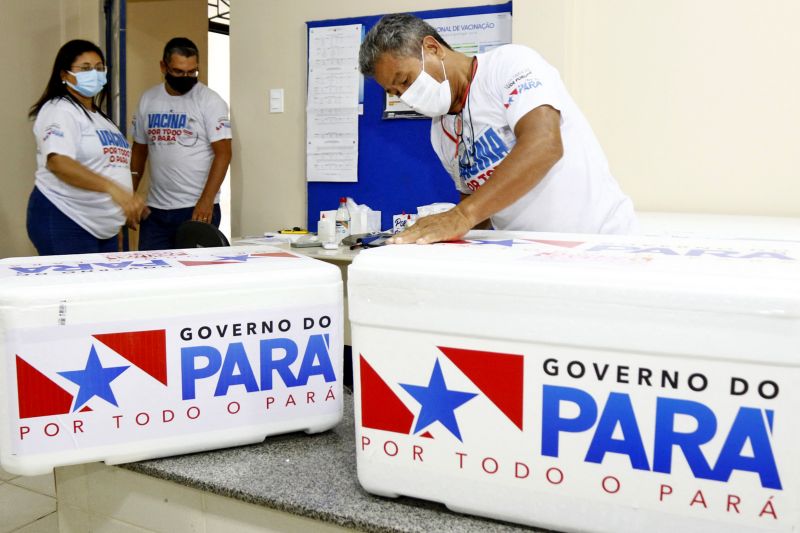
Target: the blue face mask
pixel 89 83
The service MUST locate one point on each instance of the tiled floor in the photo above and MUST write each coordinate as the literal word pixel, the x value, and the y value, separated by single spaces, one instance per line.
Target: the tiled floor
pixel 27 504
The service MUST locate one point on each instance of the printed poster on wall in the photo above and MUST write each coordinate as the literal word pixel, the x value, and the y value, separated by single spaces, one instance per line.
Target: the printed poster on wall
pixel 334 89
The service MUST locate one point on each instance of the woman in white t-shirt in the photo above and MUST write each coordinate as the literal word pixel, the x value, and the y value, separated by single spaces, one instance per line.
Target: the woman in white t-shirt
pixel 83 190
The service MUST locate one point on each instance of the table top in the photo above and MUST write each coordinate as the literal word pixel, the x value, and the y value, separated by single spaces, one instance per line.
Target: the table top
pixel 342 254
pixel 313 476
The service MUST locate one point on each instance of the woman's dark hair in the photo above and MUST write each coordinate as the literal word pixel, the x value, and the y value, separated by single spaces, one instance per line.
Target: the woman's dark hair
pixel 55 88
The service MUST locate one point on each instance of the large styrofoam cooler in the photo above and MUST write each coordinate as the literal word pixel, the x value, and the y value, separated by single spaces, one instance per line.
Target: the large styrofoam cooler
pixel 706 225
pixel 129 356
pixel 581 382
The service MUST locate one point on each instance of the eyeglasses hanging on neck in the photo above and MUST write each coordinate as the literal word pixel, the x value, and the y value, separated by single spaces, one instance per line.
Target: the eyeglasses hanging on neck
pixel 466 141
pixel 463 138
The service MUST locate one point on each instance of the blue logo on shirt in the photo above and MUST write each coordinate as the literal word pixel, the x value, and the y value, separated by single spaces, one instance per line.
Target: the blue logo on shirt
pixel 112 138
pixel 166 120
pixel 490 149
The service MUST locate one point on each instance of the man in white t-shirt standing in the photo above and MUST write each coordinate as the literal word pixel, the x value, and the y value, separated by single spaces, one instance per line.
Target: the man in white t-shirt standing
pixel 520 151
pixel 184 129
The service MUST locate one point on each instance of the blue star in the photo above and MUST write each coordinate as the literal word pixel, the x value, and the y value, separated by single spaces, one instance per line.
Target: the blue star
pixel 498 243
pixel 438 402
pixel 94 380
pixel 241 258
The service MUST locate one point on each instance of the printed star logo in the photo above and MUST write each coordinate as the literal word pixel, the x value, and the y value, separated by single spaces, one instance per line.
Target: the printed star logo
pixel 438 402
pixel 509 242
pixel 38 395
pixel 94 380
pixel 497 377
pixel 510 98
pixel 235 259
pixel 240 258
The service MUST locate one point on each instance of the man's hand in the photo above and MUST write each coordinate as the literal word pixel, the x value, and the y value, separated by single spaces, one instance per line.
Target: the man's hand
pixel 138 159
pixel 448 226
pixel 203 211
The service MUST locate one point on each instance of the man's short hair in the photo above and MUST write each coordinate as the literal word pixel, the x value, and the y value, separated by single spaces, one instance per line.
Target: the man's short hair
pixel 400 34
pixel 181 46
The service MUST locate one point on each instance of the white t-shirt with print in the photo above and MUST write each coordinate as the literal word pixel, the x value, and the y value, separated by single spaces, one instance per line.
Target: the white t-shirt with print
pixel 61 127
pixel 579 194
pixel 178 132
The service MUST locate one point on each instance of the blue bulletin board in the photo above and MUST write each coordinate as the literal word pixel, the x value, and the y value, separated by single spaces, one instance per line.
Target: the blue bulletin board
pixel 397 167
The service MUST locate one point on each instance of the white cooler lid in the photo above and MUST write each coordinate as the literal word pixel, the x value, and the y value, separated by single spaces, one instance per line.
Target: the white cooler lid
pixel 734 284
pixel 130 272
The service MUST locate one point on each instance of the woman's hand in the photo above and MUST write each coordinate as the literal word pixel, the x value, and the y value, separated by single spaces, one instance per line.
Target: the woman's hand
pixel 77 175
pixel 131 204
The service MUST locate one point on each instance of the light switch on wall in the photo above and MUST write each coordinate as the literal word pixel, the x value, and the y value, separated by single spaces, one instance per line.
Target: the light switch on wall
pixel 276 100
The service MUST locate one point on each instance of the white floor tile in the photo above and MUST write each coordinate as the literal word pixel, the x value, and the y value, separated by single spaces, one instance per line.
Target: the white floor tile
pixel 72 520
pixel 72 486
pixel 44 484
pixel 48 524
pixel 104 524
pixel 19 507
pixel 5 476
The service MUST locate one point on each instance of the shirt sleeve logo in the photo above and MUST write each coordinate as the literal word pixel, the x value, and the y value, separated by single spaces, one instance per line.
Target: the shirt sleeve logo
pixel 52 129
pixel 223 123
pixel 517 77
pixel 521 82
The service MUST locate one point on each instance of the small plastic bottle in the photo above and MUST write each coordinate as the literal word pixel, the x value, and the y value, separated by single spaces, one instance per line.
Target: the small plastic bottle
pixel 342 220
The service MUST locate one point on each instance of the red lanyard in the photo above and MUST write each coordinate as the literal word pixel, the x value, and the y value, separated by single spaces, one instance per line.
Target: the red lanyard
pixel 458 122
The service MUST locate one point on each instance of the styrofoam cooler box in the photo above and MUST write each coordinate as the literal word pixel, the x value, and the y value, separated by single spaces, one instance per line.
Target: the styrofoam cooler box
pixel 129 356
pixel 582 382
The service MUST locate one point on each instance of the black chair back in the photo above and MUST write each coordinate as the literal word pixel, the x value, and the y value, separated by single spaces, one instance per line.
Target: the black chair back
pixel 194 234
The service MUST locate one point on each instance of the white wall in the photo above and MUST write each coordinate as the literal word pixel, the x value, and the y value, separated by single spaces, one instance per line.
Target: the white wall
pixel 219 79
pixel 695 102
pixel 31 32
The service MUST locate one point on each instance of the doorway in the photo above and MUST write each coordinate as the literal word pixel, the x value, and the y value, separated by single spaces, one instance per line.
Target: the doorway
pixel 219 76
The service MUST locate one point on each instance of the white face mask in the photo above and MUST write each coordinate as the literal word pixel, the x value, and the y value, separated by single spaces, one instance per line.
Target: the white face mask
pixel 426 95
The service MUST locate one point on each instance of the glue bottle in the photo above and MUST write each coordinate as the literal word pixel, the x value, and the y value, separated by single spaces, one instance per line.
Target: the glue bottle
pixel 342 220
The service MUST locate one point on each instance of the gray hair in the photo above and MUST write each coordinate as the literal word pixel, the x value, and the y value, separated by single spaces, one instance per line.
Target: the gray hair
pixel 400 34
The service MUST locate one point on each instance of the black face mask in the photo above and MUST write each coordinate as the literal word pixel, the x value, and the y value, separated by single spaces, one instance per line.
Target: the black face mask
pixel 180 84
